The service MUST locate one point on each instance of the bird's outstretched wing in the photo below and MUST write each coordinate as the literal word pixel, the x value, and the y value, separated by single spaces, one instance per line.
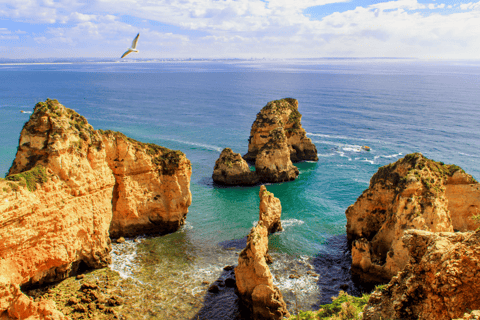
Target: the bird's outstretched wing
pixel 125 54
pixel 134 42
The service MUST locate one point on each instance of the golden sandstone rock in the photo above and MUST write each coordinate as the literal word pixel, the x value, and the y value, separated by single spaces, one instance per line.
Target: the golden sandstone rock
pixel 270 211
pixel 253 277
pixel 273 162
pixel 276 139
pixel 232 169
pixel 67 187
pixel 281 114
pixel 254 280
pixel 412 193
pixel 440 282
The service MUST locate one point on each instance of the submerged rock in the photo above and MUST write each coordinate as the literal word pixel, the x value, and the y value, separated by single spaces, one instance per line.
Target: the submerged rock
pixel 281 114
pixel 254 280
pixel 232 169
pixel 270 211
pixel 440 282
pixel 69 186
pixel 412 193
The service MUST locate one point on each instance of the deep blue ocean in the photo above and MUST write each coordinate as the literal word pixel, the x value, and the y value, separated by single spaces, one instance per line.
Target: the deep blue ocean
pixel 393 106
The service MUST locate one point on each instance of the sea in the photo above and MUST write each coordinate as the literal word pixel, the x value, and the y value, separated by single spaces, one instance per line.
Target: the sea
pixel 393 106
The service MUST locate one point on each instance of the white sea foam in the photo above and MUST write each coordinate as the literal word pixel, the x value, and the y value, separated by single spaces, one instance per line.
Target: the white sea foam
pixel 196 144
pixel 469 155
pixel 392 155
pixel 123 258
pixel 291 223
pixel 325 155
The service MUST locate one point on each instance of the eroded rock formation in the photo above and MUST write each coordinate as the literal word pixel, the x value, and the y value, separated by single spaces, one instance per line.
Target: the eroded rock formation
pixel 281 114
pixel 412 193
pixel 270 211
pixel 276 139
pixel 440 282
pixel 68 186
pixel 232 169
pixel 273 162
pixel 254 279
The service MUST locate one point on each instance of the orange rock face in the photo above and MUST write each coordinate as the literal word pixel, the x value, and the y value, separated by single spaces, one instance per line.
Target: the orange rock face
pixel 273 162
pixel 270 211
pixel 440 282
pixel 412 193
pixel 67 187
pixel 232 169
pixel 281 114
pixel 254 280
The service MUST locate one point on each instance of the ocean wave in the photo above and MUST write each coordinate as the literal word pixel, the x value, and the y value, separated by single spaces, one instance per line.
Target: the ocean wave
pixel 325 155
pixel 468 155
pixel 123 257
pixel 336 137
pixel 392 155
pixel 292 222
pixel 196 144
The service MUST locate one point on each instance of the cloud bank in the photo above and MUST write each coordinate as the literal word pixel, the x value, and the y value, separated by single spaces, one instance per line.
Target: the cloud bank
pixel 239 29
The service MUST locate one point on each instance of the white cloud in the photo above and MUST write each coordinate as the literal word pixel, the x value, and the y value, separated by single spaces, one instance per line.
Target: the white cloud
pixel 245 28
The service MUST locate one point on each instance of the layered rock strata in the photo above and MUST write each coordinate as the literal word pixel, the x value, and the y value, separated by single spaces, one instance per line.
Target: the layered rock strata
pixel 68 186
pixel 440 282
pixel 270 211
pixel 254 280
pixel 412 193
pixel 281 114
pixel 231 169
pixel 273 162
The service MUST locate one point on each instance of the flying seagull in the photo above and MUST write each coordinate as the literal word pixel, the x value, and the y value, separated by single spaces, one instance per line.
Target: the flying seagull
pixel 133 48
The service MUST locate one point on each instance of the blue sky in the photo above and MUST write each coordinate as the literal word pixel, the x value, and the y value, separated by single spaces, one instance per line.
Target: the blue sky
pixel 240 28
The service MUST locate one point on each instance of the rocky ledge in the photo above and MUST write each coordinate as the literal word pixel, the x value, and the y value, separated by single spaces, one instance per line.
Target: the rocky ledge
pixel 440 282
pixel 412 193
pixel 69 189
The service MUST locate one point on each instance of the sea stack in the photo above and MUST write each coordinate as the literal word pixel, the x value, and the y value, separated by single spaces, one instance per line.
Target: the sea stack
pixel 412 193
pixel 254 280
pixel 270 211
pixel 232 169
pixel 69 189
pixel 273 162
pixel 281 114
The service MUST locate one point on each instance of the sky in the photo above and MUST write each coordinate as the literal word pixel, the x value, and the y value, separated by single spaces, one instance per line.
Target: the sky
pixel 244 29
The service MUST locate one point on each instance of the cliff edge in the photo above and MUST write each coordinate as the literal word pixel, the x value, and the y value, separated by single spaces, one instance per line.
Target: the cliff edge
pixel 412 193
pixel 69 189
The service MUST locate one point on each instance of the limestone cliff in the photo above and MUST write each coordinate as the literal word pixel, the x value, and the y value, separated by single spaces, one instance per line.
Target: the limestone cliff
pixel 254 280
pixel 440 282
pixel 281 114
pixel 68 186
pixel 273 162
pixel 270 211
pixel 232 169
pixel 412 193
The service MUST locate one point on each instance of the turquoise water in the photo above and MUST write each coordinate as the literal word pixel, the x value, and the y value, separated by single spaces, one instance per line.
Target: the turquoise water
pixel 394 106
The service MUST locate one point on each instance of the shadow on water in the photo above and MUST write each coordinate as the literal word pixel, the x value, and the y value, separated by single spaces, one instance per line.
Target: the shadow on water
pixel 221 301
pixel 334 268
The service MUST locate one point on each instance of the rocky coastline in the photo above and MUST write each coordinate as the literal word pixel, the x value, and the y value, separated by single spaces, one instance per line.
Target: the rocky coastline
pixel 71 189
